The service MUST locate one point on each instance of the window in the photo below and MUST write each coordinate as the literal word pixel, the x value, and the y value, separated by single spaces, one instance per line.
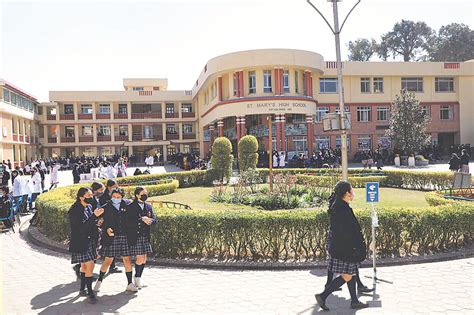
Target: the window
pixel 147 132
pixel 446 112
pixel 69 131
pixel 123 130
pixel 104 108
pixel 322 142
pixel 267 81
pixel 298 118
pixel 286 81
pixel 6 96
pixel 170 150
pixel 123 109
pixel 235 85
pixel 106 151
pixel 383 113
pixel 346 110
pixel 300 143
pixel 327 85
pixel 364 142
pixel 320 112
pixel 86 130
pixel 104 131
pixel 169 108
pixel 68 109
pixel 171 128
pixel 427 110
pixel 137 88
pixel 212 91
pixel 252 82
pixel 86 109
pixel 187 128
pixel 444 84
pixel 378 85
pixel 88 151
pixel 156 88
pixel 296 82
pixel 186 108
pixel 363 114
pixel 412 84
pixel 365 85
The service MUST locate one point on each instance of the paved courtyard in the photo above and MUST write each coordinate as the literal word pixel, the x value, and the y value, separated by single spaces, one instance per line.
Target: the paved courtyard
pixel 36 280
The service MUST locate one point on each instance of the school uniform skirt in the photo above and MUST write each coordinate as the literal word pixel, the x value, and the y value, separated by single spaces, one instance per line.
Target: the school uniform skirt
pixel 88 255
pixel 142 247
pixel 119 248
pixel 340 266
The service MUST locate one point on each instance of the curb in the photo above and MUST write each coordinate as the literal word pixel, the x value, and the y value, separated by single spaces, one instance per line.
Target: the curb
pixel 37 238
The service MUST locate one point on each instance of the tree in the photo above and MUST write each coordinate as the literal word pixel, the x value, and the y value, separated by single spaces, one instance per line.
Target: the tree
pixel 361 49
pixel 408 123
pixel 248 156
pixel 408 39
pixel 454 42
pixel 221 159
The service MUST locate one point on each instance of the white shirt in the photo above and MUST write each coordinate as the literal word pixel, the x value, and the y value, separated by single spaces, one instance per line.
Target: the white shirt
pixel 282 160
pixel 35 183
pixel 17 186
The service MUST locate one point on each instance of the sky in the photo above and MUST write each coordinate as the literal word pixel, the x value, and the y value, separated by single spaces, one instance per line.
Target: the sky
pixel 92 45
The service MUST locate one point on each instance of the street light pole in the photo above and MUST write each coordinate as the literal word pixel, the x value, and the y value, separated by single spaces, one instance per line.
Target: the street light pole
pixel 337 31
pixel 270 151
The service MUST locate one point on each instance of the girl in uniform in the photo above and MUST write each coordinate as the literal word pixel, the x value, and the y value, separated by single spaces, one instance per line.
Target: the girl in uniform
pixel 139 218
pixel 84 235
pixel 114 239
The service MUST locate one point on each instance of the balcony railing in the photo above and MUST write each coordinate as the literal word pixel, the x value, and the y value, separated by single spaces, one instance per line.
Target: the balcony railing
pixel 102 116
pixel 145 115
pixel 172 136
pixel 121 138
pixel 84 116
pixel 172 115
pixel 157 137
pixel 52 140
pixel 66 117
pixel 120 116
pixel 104 138
pixel 86 139
pixel 189 136
pixel 137 137
pixel 15 137
pixel 188 114
pixel 51 117
pixel 27 139
pixel 68 139
pixel 22 138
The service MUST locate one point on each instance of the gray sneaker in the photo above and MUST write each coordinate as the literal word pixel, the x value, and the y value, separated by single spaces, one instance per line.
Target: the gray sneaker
pixel 132 288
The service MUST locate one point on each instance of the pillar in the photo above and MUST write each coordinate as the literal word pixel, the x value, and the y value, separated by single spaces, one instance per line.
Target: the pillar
pixel 211 132
pixel 243 130
pixel 278 132
pixel 277 81
pixel 220 128
pixel 237 128
pixel 282 89
pixel 283 134
pixel 219 89
pixel 237 82
pixel 165 153
pixel 241 83
pixel 310 134
pixel 310 84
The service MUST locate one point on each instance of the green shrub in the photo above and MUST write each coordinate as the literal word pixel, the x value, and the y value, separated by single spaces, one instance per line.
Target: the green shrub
pixel 248 156
pixel 222 158
pixel 186 179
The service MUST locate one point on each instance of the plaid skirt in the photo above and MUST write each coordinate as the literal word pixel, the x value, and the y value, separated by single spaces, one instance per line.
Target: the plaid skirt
pixel 118 248
pixel 88 255
pixel 142 247
pixel 339 266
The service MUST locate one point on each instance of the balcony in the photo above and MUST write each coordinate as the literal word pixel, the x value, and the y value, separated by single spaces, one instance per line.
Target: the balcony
pixel 121 116
pixel 104 138
pixel 66 117
pixel 52 140
pixel 188 115
pixel 121 138
pixel 102 116
pixel 172 115
pixel 137 137
pixel 51 117
pixel 15 137
pixel 172 136
pixel 86 139
pixel 27 139
pixel 22 138
pixel 145 115
pixel 189 136
pixel 68 139
pixel 84 116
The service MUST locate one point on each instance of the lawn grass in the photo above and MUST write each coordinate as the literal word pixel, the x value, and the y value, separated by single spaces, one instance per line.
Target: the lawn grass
pixel 198 198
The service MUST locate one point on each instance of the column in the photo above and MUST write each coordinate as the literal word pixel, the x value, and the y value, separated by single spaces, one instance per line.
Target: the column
pixel 310 134
pixel 278 132
pixel 112 132
pixel 180 110
pixel 282 89
pixel 129 113
pixel 243 130
pixel 283 135
pixel 76 133
pixel 220 127
pixel 277 81
pixel 236 79
pixel 241 83
pixel 310 84
pixel 130 134
pixel 180 131
pixel 58 134
pixel 94 110
pixel 165 153
pixel 163 131
pixel 75 108
pixel 237 128
pixel 212 134
pixel 219 88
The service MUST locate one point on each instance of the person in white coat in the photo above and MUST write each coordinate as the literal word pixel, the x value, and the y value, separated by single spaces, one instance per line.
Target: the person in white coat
pixel 110 172
pixel 120 169
pixel 35 186
pixel 282 159
pixel 16 191
pixel 54 178
pixel 275 160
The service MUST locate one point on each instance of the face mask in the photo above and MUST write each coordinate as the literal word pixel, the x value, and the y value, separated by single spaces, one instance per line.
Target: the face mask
pixel 116 201
pixel 89 200
pixel 144 197
pixel 99 194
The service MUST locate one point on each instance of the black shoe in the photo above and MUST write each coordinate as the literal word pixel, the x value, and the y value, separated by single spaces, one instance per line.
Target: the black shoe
pixel 114 270
pixel 321 303
pixel 77 270
pixel 92 299
pixel 364 289
pixel 358 305
pixel 83 293
pixel 338 289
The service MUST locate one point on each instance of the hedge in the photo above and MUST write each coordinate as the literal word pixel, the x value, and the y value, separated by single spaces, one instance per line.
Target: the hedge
pixel 186 179
pixel 327 181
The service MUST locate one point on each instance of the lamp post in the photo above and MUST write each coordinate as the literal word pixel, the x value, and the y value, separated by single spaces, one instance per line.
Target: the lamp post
pixel 270 151
pixel 336 30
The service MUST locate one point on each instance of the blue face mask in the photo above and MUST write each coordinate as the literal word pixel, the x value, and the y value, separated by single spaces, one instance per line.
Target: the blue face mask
pixel 116 201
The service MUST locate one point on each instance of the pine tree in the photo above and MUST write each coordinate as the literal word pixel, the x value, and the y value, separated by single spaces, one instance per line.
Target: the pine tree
pixel 408 124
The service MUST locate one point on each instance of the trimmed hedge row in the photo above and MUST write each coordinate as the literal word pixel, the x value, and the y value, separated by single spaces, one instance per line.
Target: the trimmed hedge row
pixel 327 181
pixel 186 179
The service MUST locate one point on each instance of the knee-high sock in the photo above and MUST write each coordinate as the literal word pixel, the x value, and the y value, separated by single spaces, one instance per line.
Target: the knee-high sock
pixel 83 281
pixel 333 286
pixel 351 285
pixel 330 276
pixel 89 280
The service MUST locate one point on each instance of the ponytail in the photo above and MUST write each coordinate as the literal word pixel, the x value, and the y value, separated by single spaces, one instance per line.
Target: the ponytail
pixel 340 190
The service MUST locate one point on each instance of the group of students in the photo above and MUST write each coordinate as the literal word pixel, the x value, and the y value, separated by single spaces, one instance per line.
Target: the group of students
pixel 104 224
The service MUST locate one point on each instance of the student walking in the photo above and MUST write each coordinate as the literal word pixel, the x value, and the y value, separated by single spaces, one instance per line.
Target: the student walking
pixel 346 246
pixel 464 161
pixel 139 218
pixel 454 163
pixel 83 239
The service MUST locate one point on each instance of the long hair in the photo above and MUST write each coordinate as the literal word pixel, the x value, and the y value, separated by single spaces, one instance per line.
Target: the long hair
pixel 340 190
pixel 138 190
pixel 81 192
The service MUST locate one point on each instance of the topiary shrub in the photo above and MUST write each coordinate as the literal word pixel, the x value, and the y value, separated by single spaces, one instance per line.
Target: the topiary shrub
pixel 222 158
pixel 248 156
